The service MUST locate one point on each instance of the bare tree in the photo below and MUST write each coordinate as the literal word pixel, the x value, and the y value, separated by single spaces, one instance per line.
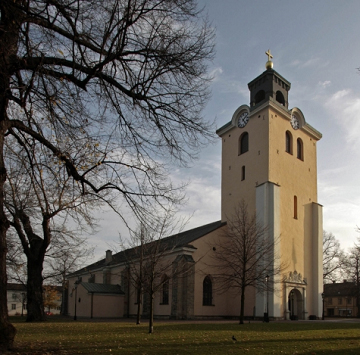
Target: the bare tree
pixel 65 255
pixel 119 83
pixel 244 255
pixel 333 257
pixel 15 261
pixel 40 201
pixel 135 266
pixel 351 270
pixel 152 264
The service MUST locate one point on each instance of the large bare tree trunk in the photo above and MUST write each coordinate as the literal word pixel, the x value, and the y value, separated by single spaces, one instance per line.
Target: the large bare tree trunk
pixel 7 330
pixel 35 300
pixel 8 49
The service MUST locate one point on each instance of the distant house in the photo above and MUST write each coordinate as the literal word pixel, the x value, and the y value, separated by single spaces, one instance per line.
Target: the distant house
pixel 340 299
pixel 16 299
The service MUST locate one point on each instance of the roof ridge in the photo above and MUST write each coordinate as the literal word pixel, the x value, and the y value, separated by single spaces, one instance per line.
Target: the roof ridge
pixel 184 239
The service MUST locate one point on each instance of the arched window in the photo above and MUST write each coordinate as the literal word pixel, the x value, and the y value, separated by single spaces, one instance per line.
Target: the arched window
pixel 288 142
pixel 300 152
pixel 260 95
pixel 207 291
pixel 295 207
pixel 243 173
pixel 280 98
pixel 165 290
pixel 244 143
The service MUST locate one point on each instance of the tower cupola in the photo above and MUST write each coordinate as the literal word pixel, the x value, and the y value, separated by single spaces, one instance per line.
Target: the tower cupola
pixel 269 85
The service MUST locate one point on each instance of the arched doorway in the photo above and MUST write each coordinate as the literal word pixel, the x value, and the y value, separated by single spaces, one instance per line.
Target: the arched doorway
pixel 295 304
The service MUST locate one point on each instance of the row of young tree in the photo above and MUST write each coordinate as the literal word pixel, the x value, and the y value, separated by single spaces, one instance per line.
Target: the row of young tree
pixel 97 99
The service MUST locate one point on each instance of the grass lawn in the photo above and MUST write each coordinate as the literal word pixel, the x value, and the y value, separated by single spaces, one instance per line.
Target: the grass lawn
pixel 65 336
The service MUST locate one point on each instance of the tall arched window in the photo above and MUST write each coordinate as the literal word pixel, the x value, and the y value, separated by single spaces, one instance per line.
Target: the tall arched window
pixel 165 290
pixel 207 291
pixel 300 152
pixel 295 207
pixel 244 143
pixel 288 142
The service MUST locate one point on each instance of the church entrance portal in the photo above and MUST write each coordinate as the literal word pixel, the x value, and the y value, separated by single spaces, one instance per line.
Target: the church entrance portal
pixel 295 304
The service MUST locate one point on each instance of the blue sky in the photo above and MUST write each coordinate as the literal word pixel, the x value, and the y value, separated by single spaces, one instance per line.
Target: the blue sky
pixel 316 47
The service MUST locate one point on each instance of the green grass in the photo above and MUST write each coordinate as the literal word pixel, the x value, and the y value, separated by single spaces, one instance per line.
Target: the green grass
pixel 59 336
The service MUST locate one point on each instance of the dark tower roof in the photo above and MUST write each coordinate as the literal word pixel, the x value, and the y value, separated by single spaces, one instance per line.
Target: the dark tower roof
pixel 269 86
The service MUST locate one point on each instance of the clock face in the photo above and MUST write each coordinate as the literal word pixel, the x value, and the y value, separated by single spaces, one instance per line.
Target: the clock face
pixel 243 119
pixel 294 122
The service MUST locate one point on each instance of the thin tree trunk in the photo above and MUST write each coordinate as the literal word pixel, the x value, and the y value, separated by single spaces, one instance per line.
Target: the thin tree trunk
pixel 151 315
pixel 242 305
pixel 151 301
pixel 140 276
pixel 138 315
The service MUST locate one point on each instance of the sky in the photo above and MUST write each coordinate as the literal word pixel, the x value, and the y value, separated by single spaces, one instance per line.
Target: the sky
pixel 315 46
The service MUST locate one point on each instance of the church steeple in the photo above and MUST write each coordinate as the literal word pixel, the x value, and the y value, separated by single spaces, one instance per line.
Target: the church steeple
pixel 269 86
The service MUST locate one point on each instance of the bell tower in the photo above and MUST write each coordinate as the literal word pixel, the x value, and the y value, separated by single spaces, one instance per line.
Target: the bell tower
pixel 269 86
pixel 269 160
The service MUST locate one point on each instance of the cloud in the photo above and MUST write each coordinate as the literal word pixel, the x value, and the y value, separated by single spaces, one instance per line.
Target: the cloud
pixel 310 63
pixel 344 107
pixel 325 83
pixel 216 74
pixel 295 63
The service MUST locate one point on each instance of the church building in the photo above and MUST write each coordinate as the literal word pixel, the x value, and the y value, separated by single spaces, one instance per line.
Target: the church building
pixel 269 161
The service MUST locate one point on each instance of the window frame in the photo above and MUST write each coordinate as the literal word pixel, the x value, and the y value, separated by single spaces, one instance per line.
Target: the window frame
pixel 243 173
pixel 300 149
pixel 288 142
pixel 244 143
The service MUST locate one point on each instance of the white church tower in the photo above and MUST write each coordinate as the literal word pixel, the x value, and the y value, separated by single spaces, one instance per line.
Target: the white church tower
pixel 269 160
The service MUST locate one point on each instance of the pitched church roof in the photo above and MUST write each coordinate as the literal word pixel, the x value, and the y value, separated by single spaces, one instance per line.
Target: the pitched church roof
pixel 179 240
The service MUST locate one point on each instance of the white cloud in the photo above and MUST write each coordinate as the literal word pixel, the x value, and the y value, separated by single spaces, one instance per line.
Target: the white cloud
pixel 216 74
pixel 295 63
pixel 344 107
pixel 310 63
pixel 325 83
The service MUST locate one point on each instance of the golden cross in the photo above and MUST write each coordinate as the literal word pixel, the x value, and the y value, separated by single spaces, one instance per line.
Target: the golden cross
pixel 268 53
